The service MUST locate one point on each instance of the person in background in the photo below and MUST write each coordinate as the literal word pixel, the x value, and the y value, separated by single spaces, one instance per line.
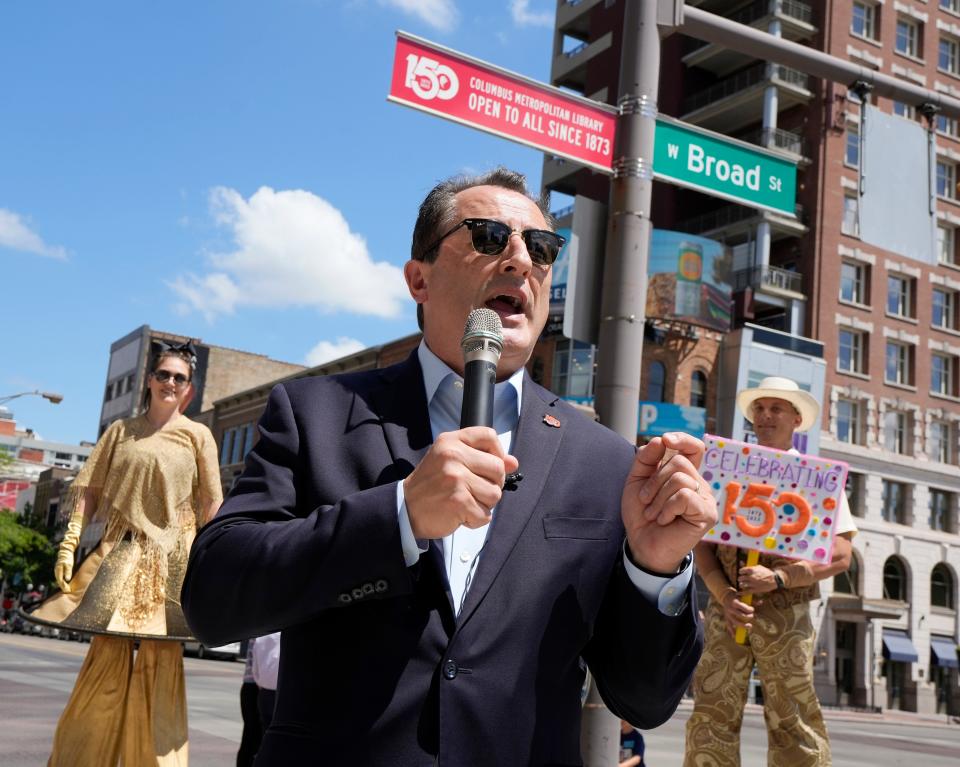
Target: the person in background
pixel 249 712
pixel 781 636
pixel 155 479
pixel 265 668
pixel 631 745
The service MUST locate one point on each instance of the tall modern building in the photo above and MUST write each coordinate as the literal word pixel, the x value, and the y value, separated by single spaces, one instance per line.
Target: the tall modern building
pixel 856 296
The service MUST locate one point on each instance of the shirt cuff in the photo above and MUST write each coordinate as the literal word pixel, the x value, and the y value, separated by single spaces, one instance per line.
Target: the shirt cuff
pixel 408 543
pixel 669 594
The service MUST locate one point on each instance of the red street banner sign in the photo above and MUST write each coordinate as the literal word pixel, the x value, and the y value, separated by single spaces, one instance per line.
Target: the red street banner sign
pixel 448 84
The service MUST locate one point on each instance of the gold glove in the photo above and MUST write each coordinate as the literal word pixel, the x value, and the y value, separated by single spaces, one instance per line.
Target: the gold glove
pixel 718 585
pixel 63 569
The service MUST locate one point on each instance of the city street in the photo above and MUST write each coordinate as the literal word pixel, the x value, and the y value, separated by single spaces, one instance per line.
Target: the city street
pixel 36 675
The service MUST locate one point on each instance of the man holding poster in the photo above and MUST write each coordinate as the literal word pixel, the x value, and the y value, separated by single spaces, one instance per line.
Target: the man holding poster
pixel 800 491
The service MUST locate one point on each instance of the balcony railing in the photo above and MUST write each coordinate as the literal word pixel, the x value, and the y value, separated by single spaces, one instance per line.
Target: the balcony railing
pixel 793 9
pixel 723 217
pixel 768 277
pixel 743 80
pixel 778 138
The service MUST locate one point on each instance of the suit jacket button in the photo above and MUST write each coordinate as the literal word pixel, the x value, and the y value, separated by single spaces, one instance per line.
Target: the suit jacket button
pixel 345 599
pixel 358 593
pixel 381 585
pixel 367 589
pixel 450 669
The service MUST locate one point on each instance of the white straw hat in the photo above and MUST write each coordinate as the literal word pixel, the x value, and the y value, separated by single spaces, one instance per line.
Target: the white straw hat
pixel 781 388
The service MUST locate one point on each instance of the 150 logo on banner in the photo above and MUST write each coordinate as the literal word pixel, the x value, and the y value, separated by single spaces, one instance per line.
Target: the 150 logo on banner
pixel 430 79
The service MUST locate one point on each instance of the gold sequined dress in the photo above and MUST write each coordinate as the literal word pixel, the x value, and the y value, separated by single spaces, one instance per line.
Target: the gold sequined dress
pixel 151 486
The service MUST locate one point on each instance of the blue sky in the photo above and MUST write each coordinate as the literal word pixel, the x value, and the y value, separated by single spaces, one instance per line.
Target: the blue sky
pixel 225 169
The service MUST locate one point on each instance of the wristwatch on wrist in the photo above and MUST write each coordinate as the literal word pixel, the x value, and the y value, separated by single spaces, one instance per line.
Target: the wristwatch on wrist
pixel 779 579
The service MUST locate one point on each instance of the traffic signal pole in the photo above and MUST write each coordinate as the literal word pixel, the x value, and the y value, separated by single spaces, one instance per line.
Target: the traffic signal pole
pixel 623 301
pixel 624 295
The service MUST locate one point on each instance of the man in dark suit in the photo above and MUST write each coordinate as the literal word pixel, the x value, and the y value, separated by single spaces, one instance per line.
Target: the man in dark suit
pixel 431 614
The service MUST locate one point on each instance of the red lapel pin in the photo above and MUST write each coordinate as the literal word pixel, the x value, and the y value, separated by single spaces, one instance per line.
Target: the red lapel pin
pixel 551 420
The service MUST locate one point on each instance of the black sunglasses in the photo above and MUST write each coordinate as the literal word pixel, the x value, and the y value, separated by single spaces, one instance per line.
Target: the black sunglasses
pixel 163 376
pixel 492 237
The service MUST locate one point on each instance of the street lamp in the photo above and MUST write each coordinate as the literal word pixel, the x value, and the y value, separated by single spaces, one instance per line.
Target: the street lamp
pixel 52 396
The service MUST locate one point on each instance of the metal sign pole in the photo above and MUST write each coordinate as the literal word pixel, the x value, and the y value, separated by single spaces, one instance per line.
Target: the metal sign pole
pixel 624 295
pixel 628 237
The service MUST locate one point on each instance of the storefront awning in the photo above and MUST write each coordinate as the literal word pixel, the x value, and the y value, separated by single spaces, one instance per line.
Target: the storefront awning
pixel 897 646
pixel 944 652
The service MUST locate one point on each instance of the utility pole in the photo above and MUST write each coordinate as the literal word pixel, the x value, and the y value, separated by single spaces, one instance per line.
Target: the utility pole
pixel 624 296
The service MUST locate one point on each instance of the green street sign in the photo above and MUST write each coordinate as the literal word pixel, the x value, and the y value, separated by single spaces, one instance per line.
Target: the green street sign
pixel 724 167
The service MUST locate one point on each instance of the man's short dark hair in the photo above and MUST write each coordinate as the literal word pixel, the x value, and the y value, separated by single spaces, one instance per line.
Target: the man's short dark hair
pixel 439 209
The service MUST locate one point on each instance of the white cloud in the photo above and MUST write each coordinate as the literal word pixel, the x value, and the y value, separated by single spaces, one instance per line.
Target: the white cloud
pixel 439 14
pixel 293 248
pixel 524 17
pixel 325 351
pixel 16 235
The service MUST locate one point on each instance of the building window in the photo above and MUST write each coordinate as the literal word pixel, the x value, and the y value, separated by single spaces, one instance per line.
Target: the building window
pixel 899 290
pixel 573 369
pixel 853 283
pixel 906 111
pixel 947 245
pixel 939 448
pixel 698 389
pixel 852 155
pixel 848 421
pixel 942 379
pixel 898 368
pixel 850 355
pixel 947 55
pixel 941 503
pixel 895 432
pixel 851 215
pixel 946 180
pixel 848 582
pixel 226 447
pixel 894 501
pixel 941 587
pixel 656 382
pixel 894 580
pixel 248 441
pixel 950 5
pixel 947 126
pixel 108 395
pixel 907 39
pixel 854 491
pixel 944 309
pixel 864 20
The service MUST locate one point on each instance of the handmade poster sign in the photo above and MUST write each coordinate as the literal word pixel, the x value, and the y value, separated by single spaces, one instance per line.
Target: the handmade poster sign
pixel 771 501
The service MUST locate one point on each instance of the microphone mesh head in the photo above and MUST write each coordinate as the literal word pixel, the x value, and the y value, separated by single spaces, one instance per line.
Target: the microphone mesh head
pixel 482 325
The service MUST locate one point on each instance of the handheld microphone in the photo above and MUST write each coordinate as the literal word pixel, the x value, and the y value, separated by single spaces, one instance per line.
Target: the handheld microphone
pixel 482 344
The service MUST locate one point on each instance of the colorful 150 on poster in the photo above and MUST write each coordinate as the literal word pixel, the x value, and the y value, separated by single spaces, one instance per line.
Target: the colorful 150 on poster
pixel 773 501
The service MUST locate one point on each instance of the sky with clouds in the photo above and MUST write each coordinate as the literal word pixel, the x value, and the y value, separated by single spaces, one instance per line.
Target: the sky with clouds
pixel 229 170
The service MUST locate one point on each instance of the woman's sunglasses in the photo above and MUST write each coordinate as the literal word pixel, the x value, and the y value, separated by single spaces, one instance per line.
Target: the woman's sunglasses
pixel 179 379
pixel 492 237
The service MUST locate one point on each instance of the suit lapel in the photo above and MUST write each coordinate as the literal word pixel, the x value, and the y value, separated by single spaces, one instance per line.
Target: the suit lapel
pixel 535 446
pixel 400 406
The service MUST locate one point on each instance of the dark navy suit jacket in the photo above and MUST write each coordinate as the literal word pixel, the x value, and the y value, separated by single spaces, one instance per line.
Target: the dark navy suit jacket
pixel 375 667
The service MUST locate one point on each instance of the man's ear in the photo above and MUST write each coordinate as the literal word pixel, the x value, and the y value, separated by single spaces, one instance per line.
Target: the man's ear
pixel 415 273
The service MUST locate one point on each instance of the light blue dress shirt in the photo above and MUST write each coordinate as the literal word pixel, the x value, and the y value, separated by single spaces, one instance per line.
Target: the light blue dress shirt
pixel 463 547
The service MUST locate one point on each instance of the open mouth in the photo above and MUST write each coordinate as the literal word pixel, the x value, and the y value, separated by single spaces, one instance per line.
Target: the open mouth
pixel 506 305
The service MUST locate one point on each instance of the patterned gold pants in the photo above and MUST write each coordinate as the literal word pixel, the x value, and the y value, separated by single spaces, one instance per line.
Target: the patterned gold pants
pixel 781 644
pixel 125 711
